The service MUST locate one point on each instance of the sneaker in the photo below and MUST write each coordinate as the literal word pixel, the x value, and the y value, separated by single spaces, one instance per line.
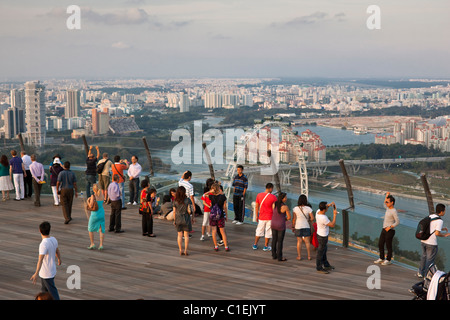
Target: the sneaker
pixel 386 262
pixel 239 223
pixel 378 261
pixel 227 249
pixel 255 247
pixel 202 238
pixel 209 235
pixel 267 248
pixel 328 268
pixel 322 271
pixel 135 203
pixel 234 221
pixel 128 202
pixel 216 249
pixel 220 243
pixel 419 275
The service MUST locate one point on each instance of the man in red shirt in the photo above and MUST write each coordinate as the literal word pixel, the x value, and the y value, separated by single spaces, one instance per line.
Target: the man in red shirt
pixel 263 210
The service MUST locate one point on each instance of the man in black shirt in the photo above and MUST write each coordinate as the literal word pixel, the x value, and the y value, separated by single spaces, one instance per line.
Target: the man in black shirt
pixel 91 170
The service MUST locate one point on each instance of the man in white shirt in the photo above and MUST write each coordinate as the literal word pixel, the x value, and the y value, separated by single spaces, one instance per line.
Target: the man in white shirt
pixel 46 266
pixel 323 229
pixel 430 246
pixel 38 175
pixel 27 180
pixel 134 172
pixel 184 181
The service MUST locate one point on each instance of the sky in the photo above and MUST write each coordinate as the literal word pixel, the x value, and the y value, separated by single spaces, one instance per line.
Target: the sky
pixel 224 38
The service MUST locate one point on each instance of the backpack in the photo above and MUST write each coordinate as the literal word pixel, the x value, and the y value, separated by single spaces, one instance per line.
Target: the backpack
pixel 215 213
pixel 423 228
pixel 101 166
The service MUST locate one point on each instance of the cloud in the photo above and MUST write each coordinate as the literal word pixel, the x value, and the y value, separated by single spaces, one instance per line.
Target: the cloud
pixel 127 17
pixel 220 37
pixel 131 16
pixel 121 45
pixel 313 18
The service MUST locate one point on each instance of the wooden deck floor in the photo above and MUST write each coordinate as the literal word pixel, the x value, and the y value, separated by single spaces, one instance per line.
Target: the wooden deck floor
pixel 136 267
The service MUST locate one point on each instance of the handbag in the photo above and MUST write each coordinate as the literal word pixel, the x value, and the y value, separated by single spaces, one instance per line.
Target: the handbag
pixel 311 227
pixel 93 207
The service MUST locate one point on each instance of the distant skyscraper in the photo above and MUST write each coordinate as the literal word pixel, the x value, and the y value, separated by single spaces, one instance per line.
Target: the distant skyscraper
pixel 14 122
pixel 184 102
pixel 17 98
pixel 100 122
pixel 73 104
pixel 213 100
pixel 35 113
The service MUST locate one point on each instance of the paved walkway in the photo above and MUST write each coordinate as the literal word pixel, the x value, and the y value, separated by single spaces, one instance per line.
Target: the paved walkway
pixel 135 267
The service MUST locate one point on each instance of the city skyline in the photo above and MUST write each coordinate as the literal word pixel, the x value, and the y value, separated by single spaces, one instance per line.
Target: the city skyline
pixel 201 39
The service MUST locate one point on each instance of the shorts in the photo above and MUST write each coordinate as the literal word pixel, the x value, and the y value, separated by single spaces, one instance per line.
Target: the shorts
pixel 263 229
pixel 219 223
pixel 205 222
pixel 304 232
pixel 103 181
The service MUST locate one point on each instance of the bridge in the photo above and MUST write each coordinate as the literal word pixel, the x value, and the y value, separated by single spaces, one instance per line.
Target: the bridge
pixel 318 168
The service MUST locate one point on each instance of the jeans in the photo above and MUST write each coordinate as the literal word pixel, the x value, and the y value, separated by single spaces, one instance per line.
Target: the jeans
pixel 238 207
pixel 321 257
pixel 277 243
pixel 90 180
pixel 115 219
pixel 429 253
pixel 66 197
pixel 386 238
pixel 122 191
pixel 28 184
pixel 48 285
pixel 37 192
pixel 147 223
pixel 134 190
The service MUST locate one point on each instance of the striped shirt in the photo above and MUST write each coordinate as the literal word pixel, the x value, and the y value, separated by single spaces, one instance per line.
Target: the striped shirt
pixel 240 183
pixel 189 188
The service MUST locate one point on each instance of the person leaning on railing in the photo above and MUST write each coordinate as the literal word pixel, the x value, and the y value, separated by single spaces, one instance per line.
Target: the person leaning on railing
pixel 390 221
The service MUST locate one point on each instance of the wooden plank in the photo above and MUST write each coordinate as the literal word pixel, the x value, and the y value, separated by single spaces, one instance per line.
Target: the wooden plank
pixel 134 267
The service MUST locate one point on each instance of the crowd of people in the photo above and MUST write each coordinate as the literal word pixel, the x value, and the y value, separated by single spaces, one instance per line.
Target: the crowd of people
pixel 105 181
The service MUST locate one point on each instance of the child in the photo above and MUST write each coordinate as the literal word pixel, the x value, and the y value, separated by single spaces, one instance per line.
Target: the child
pixel 46 267
pixel 146 210
pixel 154 201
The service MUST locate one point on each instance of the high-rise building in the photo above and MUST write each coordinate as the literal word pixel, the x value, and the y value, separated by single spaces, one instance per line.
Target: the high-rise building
pixel 17 97
pixel 213 100
pixel 14 122
pixel 35 113
pixel 73 105
pixel 184 102
pixel 100 122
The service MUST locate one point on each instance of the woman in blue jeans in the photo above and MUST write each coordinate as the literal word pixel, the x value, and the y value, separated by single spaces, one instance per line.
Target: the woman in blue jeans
pixel 280 215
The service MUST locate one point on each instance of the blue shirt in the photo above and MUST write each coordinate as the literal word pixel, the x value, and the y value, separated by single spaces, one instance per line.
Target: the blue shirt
pixel 67 179
pixel 240 183
pixel 16 164
pixel 114 191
